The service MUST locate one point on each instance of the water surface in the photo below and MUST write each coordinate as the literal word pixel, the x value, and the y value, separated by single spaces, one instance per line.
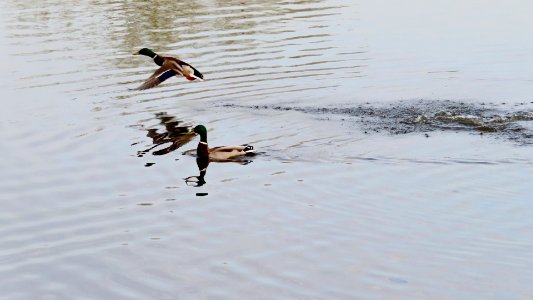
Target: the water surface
pixel 394 148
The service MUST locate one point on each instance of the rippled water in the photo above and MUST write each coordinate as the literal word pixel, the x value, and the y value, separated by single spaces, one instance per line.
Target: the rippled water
pixel 394 142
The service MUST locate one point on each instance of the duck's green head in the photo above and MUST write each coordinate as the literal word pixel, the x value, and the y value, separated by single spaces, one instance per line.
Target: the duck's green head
pixel 145 51
pixel 202 131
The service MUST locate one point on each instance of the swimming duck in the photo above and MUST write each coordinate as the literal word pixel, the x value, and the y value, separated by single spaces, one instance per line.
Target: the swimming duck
pixel 223 153
pixel 169 66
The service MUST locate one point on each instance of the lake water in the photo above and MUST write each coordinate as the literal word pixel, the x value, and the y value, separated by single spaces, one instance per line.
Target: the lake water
pixel 394 143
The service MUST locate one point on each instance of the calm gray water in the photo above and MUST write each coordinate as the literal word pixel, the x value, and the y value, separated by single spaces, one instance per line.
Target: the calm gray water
pixel 395 150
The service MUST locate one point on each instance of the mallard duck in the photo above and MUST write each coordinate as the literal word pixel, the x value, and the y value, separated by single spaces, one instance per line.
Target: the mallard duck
pixel 169 66
pixel 223 153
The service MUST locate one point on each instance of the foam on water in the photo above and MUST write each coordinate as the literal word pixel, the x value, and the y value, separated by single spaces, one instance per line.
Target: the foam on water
pixel 405 117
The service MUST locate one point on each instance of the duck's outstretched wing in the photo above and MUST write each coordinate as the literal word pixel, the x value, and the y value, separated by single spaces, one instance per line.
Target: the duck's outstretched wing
pixel 156 79
pixel 159 71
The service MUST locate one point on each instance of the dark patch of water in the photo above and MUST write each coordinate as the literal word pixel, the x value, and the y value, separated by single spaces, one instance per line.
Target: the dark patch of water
pixel 403 117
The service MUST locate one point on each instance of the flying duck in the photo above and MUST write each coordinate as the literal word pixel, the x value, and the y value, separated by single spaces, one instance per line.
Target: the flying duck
pixel 169 66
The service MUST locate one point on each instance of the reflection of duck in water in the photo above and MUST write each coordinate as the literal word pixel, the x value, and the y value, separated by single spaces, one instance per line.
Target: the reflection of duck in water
pixel 175 134
pixel 169 67
pixel 202 163
pixel 221 153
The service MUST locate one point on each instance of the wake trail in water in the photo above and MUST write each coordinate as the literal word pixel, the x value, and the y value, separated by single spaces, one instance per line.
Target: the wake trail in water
pixel 404 117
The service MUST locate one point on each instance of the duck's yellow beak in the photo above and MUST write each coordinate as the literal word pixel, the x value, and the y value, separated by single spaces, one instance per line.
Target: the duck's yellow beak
pixel 136 53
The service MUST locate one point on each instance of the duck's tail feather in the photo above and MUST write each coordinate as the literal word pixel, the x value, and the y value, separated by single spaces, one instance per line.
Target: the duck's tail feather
pixel 248 150
pixel 197 74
